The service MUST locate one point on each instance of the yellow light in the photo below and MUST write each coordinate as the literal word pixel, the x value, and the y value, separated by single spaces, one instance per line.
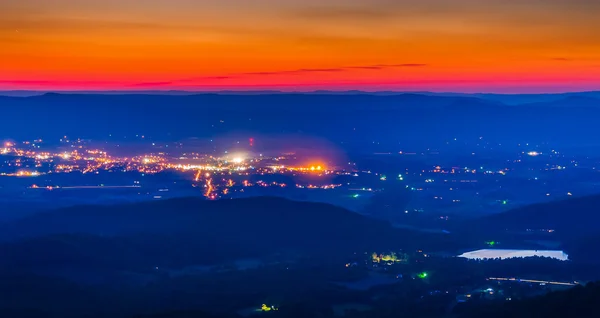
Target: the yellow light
pixel 264 307
pixel 238 160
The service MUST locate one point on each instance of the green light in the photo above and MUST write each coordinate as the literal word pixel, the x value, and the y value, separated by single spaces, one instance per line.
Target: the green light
pixel 356 196
pixel 504 201
pixel 491 243
pixel 422 275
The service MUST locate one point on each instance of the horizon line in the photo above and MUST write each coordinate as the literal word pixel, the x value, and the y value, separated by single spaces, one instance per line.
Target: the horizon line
pixel 258 91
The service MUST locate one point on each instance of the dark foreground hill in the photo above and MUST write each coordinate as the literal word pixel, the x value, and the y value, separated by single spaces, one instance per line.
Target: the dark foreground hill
pixel 258 216
pixel 227 217
pixel 584 249
pixel 568 219
pixel 189 231
pixel 181 254
pixel 581 302
pixel 187 257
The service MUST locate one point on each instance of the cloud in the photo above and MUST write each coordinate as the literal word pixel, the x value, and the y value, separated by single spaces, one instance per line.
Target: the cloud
pixel 408 65
pixel 152 84
pixel 204 78
pixel 50 82
pixel 575 59
pixel 366 67
pixel 337 69
pixel 31 82
pixel 308 70
pixel 382 66
pixel 53 24
pixel 342 12
pixel 298 71
pixel 374 67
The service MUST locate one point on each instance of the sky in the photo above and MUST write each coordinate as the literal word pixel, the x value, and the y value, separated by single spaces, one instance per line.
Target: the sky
pixel 506 46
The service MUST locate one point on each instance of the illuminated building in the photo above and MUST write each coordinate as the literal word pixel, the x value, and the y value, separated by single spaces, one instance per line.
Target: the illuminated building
pixel 389 258
pixel 264 307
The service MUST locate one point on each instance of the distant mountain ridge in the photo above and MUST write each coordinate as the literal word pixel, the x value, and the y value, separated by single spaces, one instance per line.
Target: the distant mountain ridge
pixel 348 119
pixel 579 100
pixel 508 98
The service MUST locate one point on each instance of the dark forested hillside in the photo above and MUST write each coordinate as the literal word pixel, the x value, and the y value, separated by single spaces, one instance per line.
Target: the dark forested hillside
pixel 581 302
pixel 569 219
pixel 191 231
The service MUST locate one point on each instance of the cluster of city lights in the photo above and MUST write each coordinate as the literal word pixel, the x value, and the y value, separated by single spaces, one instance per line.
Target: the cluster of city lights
pixel 30 161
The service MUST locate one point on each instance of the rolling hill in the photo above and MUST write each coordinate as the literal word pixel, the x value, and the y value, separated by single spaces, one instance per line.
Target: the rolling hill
pixel 569 219
pixel 581 301
pixel 192 231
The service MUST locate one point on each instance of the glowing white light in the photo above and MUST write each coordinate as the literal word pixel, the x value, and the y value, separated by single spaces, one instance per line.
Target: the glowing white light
pixel 504 254
pixel 238 160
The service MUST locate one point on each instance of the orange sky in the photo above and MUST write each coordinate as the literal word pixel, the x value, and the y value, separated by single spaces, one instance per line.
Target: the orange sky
pixel 437 45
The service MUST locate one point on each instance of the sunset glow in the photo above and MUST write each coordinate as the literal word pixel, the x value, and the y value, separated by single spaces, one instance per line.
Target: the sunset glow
pixel 434 45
